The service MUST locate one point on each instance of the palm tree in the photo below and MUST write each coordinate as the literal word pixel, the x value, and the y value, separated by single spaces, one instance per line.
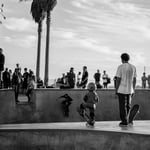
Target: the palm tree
pixel 47 6
pixel 38 16
pixel 41 7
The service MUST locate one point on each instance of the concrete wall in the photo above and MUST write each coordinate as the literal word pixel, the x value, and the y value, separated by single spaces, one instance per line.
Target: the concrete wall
pixel 71 140
pixel 46 106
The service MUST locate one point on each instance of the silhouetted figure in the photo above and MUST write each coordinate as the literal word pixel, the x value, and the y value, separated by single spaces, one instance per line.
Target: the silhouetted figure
pixel 6 78
pixel 2 62
pixel 25 78
pixel 30 87
pixel 16 81
pixel 78 79
pixel 18 66
pixel 31 74
pixel 71 78
pixel 105 79
pixel 115 78
pixel 40 83
pixel 148 81
pixel 10 73
pixel 84 79
pixel 63 82
pixel 97 77
pixel 66 102
pixel 144 79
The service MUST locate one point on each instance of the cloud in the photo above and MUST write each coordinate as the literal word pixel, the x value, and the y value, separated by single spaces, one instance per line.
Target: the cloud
pixel 138 58
pixel 115 17
pixel 82 4
pixel 19 24
pixel 27 41
pixel 70 38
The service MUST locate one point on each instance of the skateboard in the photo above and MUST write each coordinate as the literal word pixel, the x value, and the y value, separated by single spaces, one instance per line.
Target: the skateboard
pixel 85 116
pixel 133 112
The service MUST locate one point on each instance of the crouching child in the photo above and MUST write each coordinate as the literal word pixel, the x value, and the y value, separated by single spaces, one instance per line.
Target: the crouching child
pixel 90 101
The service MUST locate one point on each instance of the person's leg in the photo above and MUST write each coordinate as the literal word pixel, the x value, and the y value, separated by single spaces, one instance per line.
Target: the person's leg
pixel 128 103
pixel 0 79
pixel 16 93
pixel 82 109
pixel 92 116
pixel 103 85
pixel 122 108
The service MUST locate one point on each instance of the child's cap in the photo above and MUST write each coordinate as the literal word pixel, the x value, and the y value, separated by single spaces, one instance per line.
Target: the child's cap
pixel 91 86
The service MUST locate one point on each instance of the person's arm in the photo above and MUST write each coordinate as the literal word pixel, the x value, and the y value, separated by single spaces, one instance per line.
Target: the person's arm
pixel 134 79
pixel 118 78
pixel 134 82
pixel 86 78
pixel 85 98
pixel 118 81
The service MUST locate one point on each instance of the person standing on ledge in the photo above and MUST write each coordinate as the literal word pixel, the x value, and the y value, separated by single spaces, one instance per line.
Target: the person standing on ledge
pixel 125 86
pixel 2 62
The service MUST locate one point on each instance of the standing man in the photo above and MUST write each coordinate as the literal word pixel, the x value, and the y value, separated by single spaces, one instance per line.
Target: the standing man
pixel 105 79
pixel 125 86
pixel 6 78
pixel 97 77
pixel 71 78
pixel 144 79
pixel 84 79
pixel 148 80
pixel 2 62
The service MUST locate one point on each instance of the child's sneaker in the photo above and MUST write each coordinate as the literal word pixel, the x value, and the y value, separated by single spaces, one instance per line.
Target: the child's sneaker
pixel 89 125
pixel 123 124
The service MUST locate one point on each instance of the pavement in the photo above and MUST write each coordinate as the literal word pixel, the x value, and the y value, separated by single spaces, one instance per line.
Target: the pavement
pixel 75 136
pixel 139 127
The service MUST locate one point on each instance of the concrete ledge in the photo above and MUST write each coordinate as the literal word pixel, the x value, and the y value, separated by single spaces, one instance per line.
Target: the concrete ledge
pixel 71 136
pixel 46 107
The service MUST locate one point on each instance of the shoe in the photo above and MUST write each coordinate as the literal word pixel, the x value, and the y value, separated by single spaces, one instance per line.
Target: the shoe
pixel 89 125
pixel 123 124
pixel 17 101
pixel 131 123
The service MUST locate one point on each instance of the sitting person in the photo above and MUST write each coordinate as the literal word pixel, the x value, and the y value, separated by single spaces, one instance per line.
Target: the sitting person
pixel 40 83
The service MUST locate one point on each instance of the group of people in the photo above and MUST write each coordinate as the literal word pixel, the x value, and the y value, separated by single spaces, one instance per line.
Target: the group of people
pixel 125 82
pixel 21 83
pixel 70 80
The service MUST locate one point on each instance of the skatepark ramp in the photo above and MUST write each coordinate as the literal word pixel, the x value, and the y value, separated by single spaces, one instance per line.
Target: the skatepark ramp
pixel 75 136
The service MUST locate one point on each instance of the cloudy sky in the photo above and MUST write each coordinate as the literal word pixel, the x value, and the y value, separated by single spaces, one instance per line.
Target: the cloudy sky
pixel 83 32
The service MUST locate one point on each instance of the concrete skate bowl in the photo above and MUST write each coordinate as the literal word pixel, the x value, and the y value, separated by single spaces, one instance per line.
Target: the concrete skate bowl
pixel 65 137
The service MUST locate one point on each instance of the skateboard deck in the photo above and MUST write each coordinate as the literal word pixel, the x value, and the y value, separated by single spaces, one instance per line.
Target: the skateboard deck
pixel 133 112
pixel 84 116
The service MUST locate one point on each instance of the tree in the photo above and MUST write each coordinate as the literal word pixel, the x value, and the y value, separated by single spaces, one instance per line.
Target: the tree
pixel 46 6
pixel 38 15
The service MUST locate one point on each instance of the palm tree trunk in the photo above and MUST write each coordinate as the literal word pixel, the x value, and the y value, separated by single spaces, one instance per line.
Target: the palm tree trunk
pixel 38 50
pixel 46 79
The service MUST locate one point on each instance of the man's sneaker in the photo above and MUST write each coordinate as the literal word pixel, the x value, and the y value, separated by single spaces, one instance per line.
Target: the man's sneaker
pixel 131 123
pixel 123 124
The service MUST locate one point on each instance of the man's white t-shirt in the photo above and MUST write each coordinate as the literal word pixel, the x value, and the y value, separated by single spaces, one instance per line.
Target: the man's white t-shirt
pixel 127 73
